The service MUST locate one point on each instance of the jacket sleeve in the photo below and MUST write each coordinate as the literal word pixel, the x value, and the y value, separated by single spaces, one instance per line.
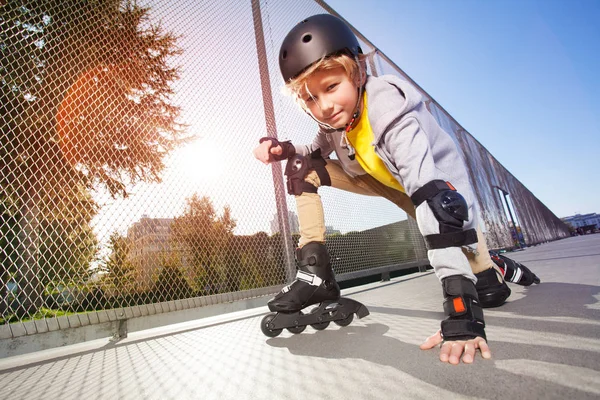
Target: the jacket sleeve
pixel 320 142
pixel 409 149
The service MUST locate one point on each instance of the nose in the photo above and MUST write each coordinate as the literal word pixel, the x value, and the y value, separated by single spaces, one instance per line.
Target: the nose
pixel 326 105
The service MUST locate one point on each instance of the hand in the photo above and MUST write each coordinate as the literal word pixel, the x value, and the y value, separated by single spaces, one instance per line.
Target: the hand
pixel 453 349
pixel 263 151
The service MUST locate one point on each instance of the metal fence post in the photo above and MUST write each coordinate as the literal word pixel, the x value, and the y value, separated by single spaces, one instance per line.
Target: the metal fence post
pixel 265 83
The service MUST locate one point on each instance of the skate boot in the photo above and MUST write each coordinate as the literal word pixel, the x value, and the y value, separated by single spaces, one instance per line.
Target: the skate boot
pixel 491 288
pixel 513 271
pixel 315 284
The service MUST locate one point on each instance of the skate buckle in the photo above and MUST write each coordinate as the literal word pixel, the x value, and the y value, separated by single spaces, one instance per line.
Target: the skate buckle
pixel 309 278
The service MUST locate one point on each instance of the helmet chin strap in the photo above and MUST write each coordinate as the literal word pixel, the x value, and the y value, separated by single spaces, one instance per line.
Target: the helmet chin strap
pixel 344 143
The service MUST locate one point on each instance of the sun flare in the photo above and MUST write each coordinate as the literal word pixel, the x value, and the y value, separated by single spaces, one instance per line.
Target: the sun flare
pixel 200 162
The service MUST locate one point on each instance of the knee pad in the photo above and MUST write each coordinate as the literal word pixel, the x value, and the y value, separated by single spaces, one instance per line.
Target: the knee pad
pixel 451 210
pixel 298 167
pixel 464 313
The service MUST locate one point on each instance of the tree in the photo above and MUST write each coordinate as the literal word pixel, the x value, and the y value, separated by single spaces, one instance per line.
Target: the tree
pixel 84 100
pixel 8 256
pixel 67 243
pixel 259 261
pixel 170 284
pixel 119 271
pixel 202 238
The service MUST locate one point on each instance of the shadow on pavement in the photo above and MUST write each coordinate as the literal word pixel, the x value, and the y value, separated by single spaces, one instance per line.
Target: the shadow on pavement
pixel 482 379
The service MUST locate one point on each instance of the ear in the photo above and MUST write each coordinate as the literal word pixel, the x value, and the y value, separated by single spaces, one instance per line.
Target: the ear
pixel 363 73
pixel 361 79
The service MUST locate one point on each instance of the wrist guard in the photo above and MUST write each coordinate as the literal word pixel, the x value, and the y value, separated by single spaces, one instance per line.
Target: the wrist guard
pixel 299 166
pixel 461 305
pixel 288 149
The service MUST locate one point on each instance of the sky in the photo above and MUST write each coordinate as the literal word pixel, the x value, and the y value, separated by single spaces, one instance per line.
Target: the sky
pixel 521 76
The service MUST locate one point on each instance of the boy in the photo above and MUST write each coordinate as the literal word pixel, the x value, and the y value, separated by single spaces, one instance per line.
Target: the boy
pixel 388 145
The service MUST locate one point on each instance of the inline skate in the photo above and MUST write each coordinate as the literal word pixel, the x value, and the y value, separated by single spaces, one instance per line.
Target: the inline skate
pixel 514 271
pixel 314 285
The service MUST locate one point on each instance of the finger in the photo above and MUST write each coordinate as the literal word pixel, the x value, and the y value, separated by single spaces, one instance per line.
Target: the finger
pixel 469 352
pixel 432 341
pixel 276 150
pixel 445 351
pixel 483 346
pixel 456 351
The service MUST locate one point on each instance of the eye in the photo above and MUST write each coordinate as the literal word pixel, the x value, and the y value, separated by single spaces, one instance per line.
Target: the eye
pixel 331 87
pixel 308 100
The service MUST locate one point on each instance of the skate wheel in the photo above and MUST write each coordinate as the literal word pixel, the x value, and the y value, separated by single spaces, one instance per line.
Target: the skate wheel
pixel 346 321
pixel 320 326
pixel 264 326
pixel 297 329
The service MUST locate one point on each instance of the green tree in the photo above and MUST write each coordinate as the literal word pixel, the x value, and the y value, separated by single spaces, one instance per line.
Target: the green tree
pixel 170 283
pixel 9 243
pixel 202 238
pixel 65 246
pixel 84 100
pixel 67 243
pixel 260 260
pixel 119 278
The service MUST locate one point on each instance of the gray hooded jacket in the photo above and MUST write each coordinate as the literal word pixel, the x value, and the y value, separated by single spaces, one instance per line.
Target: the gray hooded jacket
pixel 416 150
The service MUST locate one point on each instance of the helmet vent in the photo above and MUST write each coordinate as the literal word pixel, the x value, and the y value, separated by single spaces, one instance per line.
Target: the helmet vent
pixel 284 55
pixel 307 38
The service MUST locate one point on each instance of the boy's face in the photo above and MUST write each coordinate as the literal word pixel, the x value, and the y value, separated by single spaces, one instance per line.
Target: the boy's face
pixel 334 97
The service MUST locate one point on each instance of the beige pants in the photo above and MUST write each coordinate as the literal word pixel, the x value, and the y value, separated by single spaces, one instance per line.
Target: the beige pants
pixel 312 218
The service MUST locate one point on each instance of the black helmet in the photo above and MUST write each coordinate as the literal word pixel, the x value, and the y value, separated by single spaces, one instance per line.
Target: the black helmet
pixel 312 39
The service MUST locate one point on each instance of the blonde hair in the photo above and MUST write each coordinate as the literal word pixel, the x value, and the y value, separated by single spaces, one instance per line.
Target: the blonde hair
pixel 299 85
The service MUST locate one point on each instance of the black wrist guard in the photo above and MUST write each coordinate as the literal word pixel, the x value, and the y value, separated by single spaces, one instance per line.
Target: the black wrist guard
pixel 461 305
pixel 288 149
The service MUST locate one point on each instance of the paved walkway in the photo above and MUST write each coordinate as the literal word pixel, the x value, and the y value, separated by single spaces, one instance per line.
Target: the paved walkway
pixel 545 343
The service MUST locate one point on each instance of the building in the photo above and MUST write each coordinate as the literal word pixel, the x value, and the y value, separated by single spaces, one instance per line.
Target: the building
pixel 584 221
pixel 150 240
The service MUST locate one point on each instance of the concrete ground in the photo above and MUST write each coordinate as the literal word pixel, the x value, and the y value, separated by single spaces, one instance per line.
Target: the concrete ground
pixel 545 343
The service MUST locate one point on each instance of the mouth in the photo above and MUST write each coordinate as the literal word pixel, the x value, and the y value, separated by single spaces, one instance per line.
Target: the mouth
pixel 334 116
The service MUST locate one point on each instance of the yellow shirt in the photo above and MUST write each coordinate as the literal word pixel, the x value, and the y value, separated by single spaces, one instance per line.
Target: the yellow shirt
pixel 361 138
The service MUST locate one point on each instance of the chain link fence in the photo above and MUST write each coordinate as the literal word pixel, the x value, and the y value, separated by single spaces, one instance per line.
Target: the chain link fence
pixel 126 168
